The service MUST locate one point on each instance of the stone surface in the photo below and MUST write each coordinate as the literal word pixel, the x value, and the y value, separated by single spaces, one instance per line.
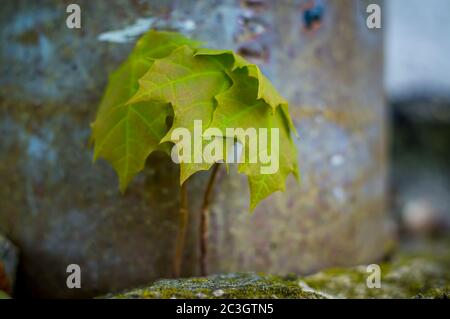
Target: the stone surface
pixel 231 285
pixel 61 209
pixel 421 270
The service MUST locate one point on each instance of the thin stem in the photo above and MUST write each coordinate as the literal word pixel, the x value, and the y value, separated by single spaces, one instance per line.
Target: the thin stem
pixel 204 220
pixel 183 214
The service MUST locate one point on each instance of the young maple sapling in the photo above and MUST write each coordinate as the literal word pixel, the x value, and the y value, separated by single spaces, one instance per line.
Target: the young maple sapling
pixel 168 76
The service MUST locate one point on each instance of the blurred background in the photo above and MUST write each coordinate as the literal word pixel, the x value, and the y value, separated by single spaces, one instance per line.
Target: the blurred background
pixel 417 81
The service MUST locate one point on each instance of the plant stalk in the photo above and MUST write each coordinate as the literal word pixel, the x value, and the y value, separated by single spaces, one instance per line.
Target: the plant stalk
pixel 204 221
pixel 183 215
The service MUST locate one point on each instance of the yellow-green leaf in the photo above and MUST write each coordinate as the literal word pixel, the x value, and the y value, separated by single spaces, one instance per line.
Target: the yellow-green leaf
pixel 240 107
pixel 189 83
pixel 125 134
pixel 166 75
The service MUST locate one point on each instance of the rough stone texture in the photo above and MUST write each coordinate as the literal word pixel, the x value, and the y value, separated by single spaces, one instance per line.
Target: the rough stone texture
pixel 9 256
pixel 421 270
pixel 232 285
pixel 61 209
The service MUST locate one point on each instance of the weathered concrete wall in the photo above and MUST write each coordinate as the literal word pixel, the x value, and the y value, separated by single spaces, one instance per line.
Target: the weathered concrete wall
pixel 60 209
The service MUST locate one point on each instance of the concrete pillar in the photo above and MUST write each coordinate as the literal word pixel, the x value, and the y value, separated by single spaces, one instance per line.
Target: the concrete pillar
pixel 60 209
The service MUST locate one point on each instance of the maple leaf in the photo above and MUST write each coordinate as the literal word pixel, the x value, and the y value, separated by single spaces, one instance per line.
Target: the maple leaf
pixel 171 77
pixel 253 102
pixel 241 107
pixel 125 134
pixel 265 90
pixel 189 83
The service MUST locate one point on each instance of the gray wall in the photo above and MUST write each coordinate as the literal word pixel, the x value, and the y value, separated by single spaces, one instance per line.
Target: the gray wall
pixel 60 209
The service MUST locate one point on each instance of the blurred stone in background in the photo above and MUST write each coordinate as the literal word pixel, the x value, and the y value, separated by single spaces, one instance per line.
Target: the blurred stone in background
pixel 417 73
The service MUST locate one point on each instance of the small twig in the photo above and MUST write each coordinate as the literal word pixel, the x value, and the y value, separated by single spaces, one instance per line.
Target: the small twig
pixel 183 214
pixel 204 220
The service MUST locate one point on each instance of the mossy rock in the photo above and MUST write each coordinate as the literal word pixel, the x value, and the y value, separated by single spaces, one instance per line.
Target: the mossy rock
pixel 418 271
pixel 233 285
pixel 4 295
pixel 421 270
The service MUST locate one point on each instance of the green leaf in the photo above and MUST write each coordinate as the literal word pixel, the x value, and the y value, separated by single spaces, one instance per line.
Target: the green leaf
pixel 262 185
pixel 265 89
pixel 125 134
pixel 189 83
pixel 240 107
pixel 166 76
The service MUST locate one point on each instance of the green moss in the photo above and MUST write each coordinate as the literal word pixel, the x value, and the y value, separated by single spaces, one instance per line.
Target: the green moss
pixel 418 271
pixel 236 285
pixel 435 293
pixel 4 295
